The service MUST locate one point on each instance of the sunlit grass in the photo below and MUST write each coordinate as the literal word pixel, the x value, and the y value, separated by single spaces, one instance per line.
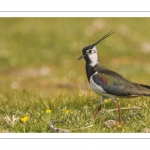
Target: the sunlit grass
pixel 35 113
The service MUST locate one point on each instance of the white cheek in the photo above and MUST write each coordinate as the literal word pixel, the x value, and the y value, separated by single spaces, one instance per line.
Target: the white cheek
pixel 93 58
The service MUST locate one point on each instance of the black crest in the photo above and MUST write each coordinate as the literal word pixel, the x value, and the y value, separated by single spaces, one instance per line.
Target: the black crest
pixel 91 46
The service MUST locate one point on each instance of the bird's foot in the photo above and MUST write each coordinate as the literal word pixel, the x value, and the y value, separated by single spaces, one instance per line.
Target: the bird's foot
pixel 121 122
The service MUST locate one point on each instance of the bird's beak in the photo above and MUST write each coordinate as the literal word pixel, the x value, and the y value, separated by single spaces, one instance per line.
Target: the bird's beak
pixel 82 56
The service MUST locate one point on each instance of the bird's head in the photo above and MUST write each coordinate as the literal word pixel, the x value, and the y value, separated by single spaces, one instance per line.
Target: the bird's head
pixel 89 53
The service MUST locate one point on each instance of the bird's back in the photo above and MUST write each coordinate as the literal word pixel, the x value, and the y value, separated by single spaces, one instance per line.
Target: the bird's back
pixel 115 84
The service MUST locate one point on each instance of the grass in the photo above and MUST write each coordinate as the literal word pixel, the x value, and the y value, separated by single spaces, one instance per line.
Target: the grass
pixel 41 79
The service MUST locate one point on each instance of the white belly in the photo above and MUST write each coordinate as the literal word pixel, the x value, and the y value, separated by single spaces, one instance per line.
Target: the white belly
pixel 96 88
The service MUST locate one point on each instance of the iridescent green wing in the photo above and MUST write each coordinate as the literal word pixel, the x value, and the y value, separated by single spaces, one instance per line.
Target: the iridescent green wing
pixel 115 84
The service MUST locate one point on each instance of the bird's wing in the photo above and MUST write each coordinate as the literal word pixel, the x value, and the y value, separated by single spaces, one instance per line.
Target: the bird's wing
pixel 115 84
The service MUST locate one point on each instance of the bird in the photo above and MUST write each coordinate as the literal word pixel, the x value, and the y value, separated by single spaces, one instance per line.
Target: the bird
pixel 108 83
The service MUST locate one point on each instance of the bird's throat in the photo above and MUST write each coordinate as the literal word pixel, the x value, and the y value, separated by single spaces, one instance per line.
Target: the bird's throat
pixel 89 70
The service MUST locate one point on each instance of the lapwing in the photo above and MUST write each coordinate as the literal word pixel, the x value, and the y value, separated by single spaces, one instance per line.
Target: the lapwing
pixel 108 83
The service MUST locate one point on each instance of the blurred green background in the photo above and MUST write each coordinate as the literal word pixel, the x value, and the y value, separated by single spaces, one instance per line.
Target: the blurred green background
pixel 40 54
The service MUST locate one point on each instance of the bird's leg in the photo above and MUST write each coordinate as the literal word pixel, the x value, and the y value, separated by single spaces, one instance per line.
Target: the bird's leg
pixel 119 111
pixel 99 108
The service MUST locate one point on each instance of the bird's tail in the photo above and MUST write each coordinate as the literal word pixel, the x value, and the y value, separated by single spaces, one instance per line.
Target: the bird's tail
pixel 145 90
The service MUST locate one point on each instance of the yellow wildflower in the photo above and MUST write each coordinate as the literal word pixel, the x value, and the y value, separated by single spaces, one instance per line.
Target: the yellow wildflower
pixel 24 119
pixel 67 111
pixel 129 105
pixel 119 126
pixel 106 101
pixel 91 94
pixel 123 130
pixel 48 111
pixel 80 95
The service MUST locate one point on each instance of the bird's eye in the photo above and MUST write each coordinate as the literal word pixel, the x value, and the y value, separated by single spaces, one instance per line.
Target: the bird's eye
pixel 90 51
